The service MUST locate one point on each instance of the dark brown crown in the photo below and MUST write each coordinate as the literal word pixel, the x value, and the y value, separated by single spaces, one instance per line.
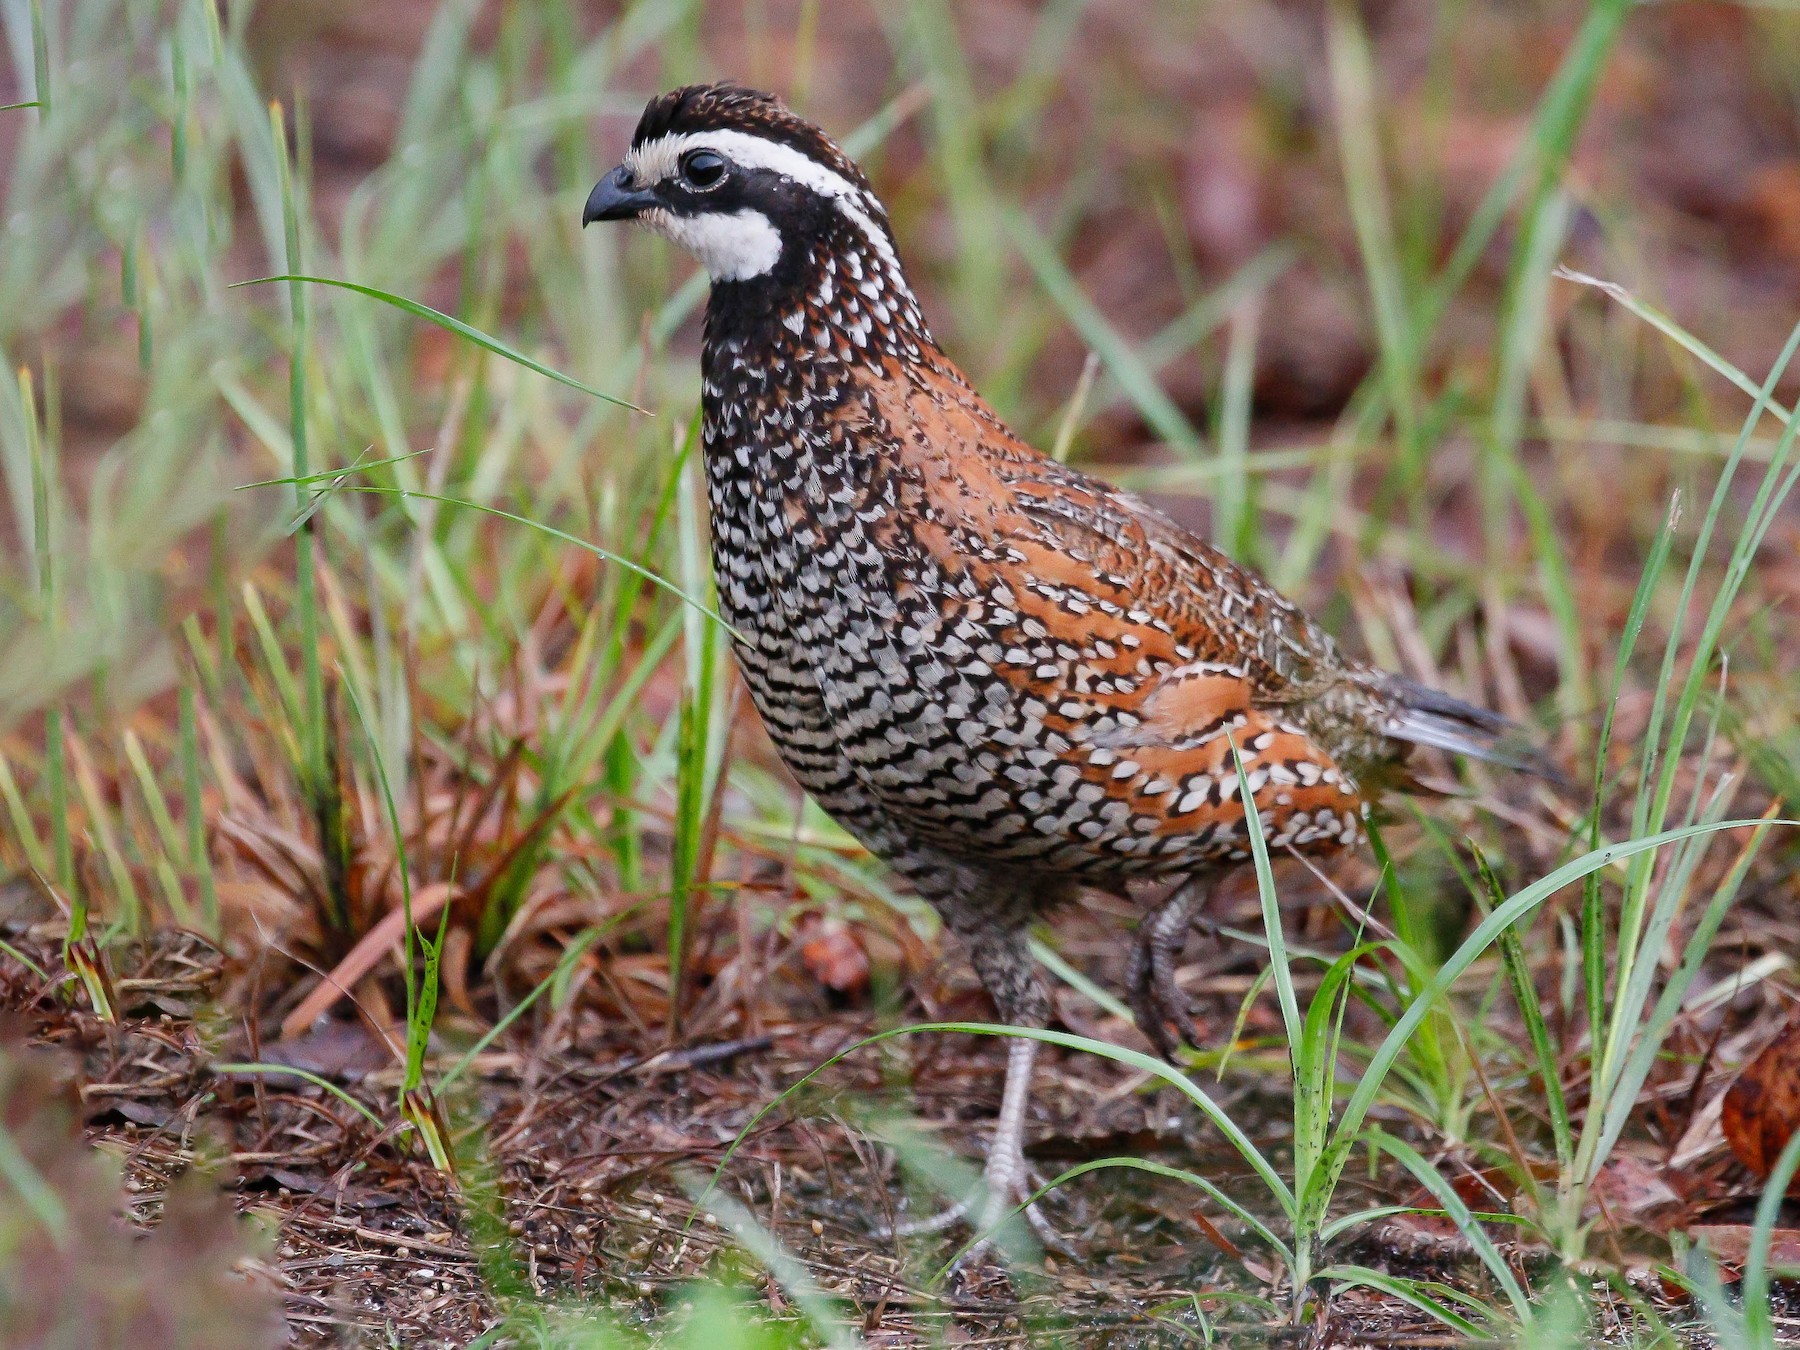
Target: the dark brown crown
pixel 732 107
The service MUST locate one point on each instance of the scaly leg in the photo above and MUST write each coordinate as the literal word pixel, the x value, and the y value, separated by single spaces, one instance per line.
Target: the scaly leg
pixel 1155 997
pixel 990 916
pixel 1006 1180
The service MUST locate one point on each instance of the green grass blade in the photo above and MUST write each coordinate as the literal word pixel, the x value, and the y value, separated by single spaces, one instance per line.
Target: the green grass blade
pixel 1315 1071
pixel 1525 995
pixel 1282 973
pixel 1135 1059
pixel 562 536
pixel 40 58
pixel 8 949
pixel 415 1002
pixel 1457 1211
pixel 199 858
pixel 1234 509
pixel 1352 71
pixel 1663 324
pixel 1052 960
pixel 696 739
pixel 24 823
pixel 37 1192
pixel 331 475
pixel 821 1313
pixel 1115 353
pixel 1594 932
pixel 564 964
pixel 1557 121
pixel 1429 1297
pixel 1232 1207
pixel 1623 1099
pixel 1758 1306
pixel 1521 904
pixel 449 324
pixel 105 841
pixel 306 1075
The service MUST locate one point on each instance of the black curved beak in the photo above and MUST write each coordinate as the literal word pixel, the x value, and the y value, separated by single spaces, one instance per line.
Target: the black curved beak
pixel 615 198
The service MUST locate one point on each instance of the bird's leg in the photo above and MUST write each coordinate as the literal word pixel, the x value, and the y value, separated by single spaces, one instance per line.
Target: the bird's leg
pixel 1155 997
pixel 1004 964
pixel 1007 1178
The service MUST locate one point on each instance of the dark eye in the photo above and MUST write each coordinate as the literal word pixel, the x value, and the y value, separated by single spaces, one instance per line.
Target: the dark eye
pixel 702 169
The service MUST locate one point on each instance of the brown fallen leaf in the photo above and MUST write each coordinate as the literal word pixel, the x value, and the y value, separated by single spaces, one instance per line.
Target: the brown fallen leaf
pixel 1762 1109
pixel 1628 1191
pixel 1632 1190
pixel 1213 1235
pixel 835 957
pixel 1729 1245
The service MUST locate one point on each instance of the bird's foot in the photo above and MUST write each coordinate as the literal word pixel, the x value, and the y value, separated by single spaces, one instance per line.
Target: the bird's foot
pixel 1159 1004
pixel 1008 1184
pixel 1156 999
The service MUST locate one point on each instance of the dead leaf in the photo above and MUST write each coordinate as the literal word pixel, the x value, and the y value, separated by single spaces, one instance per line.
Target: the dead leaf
pixel 364 957
pixel 1218 1239
pixel 835 956
pixel 1729 1245
pixel 1773 199
pixel 1632 1190
pixel 1762 1109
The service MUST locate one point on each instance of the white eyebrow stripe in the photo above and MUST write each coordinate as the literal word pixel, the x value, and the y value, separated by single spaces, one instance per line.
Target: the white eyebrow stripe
pixel 659 159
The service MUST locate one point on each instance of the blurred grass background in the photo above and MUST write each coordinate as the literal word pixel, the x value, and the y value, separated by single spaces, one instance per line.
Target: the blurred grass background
pixel 1304 254
pixel 1287 268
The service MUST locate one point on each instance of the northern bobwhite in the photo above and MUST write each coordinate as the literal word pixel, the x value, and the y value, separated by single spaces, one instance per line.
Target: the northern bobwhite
pixel 1006 678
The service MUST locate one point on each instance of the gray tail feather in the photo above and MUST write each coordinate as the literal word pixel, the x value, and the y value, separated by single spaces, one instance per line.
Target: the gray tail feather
pixel 1426 717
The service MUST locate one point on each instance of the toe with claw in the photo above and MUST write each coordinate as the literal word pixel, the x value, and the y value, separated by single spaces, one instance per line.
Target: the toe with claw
pixel 1007 1180
pixel 1008 1184
pixel 1156 999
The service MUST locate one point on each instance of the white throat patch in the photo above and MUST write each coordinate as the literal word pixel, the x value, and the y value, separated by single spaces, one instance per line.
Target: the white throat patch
pixel 732 246
pixel 659 159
